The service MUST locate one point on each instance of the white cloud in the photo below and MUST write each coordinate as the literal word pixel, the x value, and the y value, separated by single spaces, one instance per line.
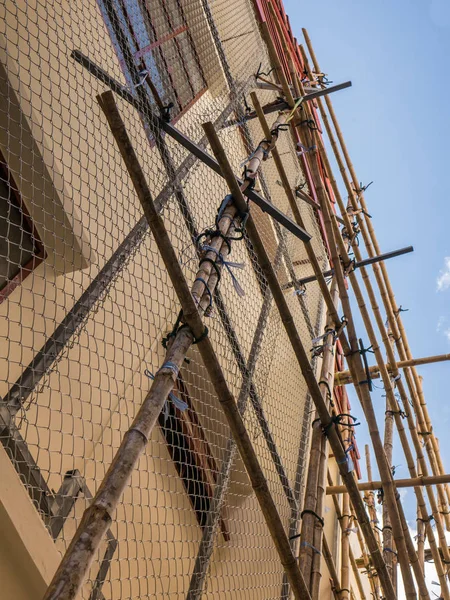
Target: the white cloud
pixel 443 280
pixel 447 334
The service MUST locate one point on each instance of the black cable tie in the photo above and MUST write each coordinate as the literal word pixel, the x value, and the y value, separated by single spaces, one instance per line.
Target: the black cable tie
pixel 363 352
pixel 174 331
pixel 343 516
pixel 259 72
pixel 307 511
pixel 202 336
pixel 337 420
pixel 165 112
pixel 310 123
pixel 330 395
pixel 212 262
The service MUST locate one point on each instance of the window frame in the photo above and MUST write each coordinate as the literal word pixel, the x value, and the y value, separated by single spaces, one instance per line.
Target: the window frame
pixel 124 49
pixel 196 445
pixel 39 254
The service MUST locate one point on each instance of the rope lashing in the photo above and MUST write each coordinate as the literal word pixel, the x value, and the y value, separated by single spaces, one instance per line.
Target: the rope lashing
pixel 380 496
pixel 177 327
pixel 399 310
pixel 304 149
pixel 242 215
pixel 387 549
pixel 313 548
pixel 228 265
pixel 208 291
pixel 363 188
pixel 348 458
pixel 294 108
pixel 301 291
pixel 363 352
pixel 337 420
pixel 259 72
pixel 179 404
pixel 318 348
pixel 310 123
pixel 329 393
pixel 401 413
pixel 308 511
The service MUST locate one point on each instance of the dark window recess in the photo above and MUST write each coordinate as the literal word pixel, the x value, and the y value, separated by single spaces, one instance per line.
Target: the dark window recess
pixel 154 34
pixel 191 454
pixel 20 247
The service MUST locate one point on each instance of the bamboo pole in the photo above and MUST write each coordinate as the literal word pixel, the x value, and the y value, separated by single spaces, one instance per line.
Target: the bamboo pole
pixel 413 380
pixel 369 498
pixel 345 548
pixel 328 556
pixel 388 542
pixel 400 483
pixel 302 358
pixel 344 377
pixel 370 331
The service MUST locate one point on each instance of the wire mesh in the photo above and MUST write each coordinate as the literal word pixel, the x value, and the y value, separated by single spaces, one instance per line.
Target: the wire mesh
pixel 86 300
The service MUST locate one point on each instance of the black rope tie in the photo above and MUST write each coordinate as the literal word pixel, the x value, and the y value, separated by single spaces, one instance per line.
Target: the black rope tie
pixel 363 352
pixel 329 394
pixel 179 325
pixel 337 420
pixel 308 511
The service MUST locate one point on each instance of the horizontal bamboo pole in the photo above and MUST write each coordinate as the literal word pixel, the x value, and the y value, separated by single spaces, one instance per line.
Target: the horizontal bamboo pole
pixel 345 377
pixel 400 483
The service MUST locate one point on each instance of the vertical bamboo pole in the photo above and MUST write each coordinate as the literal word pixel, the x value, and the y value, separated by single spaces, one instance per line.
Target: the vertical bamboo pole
pixel 345 548
pixel 388 542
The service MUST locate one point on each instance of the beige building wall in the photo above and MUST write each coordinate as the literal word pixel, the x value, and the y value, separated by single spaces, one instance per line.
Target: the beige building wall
pixel 73 182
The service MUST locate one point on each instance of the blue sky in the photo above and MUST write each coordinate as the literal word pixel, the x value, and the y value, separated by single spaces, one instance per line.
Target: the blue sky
pixel 396 122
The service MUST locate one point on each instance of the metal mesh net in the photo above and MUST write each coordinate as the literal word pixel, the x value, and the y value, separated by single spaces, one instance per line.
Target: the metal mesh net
pixel 86 300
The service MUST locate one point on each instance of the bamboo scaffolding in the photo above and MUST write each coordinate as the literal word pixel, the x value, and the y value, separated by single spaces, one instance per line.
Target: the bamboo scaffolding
pixel 401 532
pixel 344 377
pixel 369 328
pixel 393 311
pixel 303 360
pixel 210 529
pixel 321 277
pixel 392 323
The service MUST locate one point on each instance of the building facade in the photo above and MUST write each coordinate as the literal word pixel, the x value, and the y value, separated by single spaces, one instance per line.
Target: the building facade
pixel 86 302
